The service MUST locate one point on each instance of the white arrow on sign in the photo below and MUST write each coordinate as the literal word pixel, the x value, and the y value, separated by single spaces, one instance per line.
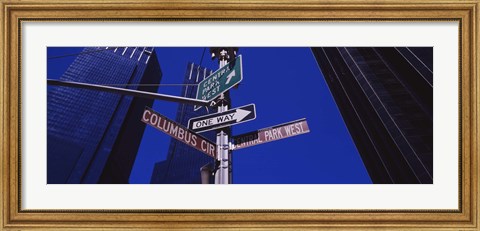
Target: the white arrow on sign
pixel 238 115
pixel 230 76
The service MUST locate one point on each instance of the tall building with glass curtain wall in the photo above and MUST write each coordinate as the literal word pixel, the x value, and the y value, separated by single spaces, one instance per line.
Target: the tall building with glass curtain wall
pixel 183 163
pixel 385 96
pixel 93 136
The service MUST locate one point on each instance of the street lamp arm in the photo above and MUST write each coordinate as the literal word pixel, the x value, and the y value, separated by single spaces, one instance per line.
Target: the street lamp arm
pixel 123 91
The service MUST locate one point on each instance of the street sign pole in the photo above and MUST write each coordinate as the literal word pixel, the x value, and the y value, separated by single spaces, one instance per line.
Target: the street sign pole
pixel 222 174
pixel 221 177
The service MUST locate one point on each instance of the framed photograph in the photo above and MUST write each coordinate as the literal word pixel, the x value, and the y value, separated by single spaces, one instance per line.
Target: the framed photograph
pixel 239 115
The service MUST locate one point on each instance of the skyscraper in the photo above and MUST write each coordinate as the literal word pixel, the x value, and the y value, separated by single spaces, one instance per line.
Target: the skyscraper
pixel 385 96
pixel 93 136
pixel 183 162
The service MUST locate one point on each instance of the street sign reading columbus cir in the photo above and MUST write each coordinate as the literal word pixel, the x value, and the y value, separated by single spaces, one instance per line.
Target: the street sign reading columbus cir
pixel 178 132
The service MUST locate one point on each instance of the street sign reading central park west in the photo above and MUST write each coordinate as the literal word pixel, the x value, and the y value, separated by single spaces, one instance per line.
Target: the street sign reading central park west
pixel 221 80
pixel 281 131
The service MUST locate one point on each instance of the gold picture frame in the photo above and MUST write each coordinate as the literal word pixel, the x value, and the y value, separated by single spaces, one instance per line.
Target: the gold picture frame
pixel 15 12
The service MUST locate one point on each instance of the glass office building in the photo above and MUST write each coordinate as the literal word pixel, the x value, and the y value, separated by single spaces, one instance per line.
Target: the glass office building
pixel 183 163
pixel 93 136
pixel 385 96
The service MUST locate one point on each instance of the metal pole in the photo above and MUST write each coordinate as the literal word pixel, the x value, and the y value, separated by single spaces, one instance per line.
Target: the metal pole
pixel 222 174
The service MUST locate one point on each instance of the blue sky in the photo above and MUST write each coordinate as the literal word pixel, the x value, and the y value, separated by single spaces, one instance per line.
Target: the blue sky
pixel 285 84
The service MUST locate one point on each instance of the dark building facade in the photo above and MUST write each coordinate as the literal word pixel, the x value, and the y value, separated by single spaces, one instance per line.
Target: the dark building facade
pixel 93 136
pixel 183 162
pixel 385 96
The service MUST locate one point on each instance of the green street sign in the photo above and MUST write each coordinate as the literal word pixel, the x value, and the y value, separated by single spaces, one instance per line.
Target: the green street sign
pixel 221 80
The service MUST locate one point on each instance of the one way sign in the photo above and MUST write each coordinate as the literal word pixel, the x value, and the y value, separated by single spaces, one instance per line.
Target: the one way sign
pixel 222 119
